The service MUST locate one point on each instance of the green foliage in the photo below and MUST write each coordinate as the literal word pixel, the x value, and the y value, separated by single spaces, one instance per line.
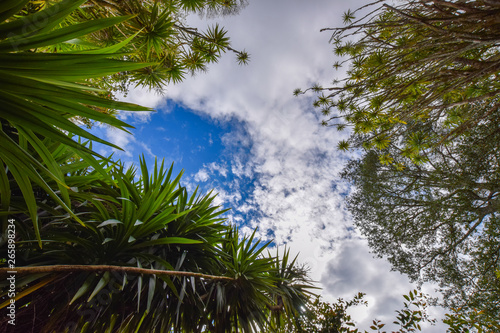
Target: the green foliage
pixel 413 313
pixel 74 207
pixel 292 294
pixel 160 37
pixel 43 93
pixel 460 321
pixel 146 219
pixel 325 317
pixel 343 145
pixel 415 62
pixel 437 220
pixel 421 97
pixel 59 61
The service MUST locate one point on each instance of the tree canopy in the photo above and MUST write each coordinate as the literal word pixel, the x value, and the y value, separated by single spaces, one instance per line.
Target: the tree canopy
pixel 438 220
pixel 414 62
pixel 157 34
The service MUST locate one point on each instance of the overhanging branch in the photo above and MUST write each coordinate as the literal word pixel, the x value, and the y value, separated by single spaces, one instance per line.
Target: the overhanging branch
pixel 105 268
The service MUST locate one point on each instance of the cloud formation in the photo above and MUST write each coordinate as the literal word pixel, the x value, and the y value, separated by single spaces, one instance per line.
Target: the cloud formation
pixel 282 171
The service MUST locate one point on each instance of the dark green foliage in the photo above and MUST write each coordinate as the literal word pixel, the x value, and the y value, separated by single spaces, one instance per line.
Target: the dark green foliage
pixel 59 61
pixel 42 93
pixel 438 220
pixel 146 221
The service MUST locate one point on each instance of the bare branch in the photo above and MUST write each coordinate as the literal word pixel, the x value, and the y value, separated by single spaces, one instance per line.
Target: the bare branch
pixel 106 268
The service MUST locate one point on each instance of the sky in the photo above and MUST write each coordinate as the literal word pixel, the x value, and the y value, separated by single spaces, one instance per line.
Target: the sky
pixel 240 131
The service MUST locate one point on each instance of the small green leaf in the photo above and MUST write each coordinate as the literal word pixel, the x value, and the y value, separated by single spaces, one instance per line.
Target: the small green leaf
pixel 343 145
pixel 84 288
pixel 348 16
pixel 168 240
pixel 109 222
pixel 103 282
pixel 151 291
pixel 386 159
pixel 107 240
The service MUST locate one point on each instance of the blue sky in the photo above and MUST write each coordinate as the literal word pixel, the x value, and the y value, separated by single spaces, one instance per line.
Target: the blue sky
pixel 239 130
pixel 188 138
pixel 202 147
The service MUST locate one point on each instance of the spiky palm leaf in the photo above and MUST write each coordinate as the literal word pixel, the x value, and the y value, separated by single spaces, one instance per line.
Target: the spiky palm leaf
pixel 146 222
pixel 293 291
pixel 126 224
pixel 41 93
pixel 243 301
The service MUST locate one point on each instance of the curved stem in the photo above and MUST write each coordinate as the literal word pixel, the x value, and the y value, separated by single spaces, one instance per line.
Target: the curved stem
pixel 105 268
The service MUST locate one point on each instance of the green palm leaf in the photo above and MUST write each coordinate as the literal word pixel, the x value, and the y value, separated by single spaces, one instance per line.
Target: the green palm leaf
pixel 39 96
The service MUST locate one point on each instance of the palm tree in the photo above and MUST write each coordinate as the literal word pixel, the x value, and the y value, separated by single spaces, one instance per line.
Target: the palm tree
pixel 40 95
pixel 100 247
pixel 43 93
pixel 161 38
pixel 147 256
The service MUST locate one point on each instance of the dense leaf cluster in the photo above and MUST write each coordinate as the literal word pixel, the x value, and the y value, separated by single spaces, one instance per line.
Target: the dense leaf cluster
pixel 214 279
pixel 437 220
pixel 158 35
pixel 417 62
pixel 42 93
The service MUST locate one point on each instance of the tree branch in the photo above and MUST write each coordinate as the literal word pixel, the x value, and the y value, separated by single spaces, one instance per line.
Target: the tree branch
pixel 460 35
pixel 105 268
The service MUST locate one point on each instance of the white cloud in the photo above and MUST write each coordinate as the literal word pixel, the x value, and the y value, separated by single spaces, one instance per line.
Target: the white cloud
pixel 218 169
pixel 225 198
pixel 209 171
pixel 147 149
pixel 144 97
pixel 240 169
pixel 354 265
pixel 122 139
pixel 201 176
